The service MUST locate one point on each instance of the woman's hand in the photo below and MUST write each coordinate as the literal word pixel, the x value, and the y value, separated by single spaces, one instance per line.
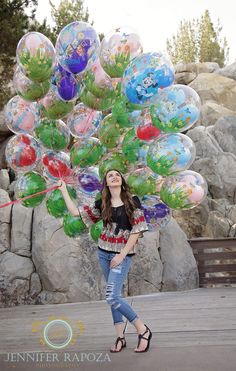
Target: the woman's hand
pixel 61 185
pixel 116 260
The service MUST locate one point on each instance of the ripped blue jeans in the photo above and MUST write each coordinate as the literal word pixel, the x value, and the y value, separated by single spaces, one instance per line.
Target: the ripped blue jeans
pixel 115 278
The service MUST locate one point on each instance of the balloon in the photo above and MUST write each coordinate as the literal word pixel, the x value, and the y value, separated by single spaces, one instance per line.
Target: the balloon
pixel 109 132
pixel 99 104
pixel 171 153
pixel 145 130
pixel 179 193
pixel 23 152
pixel 66 83
pixel 73 225
pixel 55 203
pixel 56 165
pixel 145 76
pixel 21 117
pixel 96 230
pixel 28 89
pixel 177 109
pixel 88 181
pixel 86 153
pixel 83 121
pixel 54 107
pixel 53 134
pixel 117 49
pixel 134 149
pixel 36 55
pixel 156 213
pixel 76 45
pixel 113 161
pixel 28 184
pixel 143 182
pixel 98 82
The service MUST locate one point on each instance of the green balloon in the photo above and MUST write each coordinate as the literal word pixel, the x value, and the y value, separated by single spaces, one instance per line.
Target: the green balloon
pixel 55 203
pixel 86 153
pixel 161 166
pixel 121 110
pixel 142 185
pixel 96 230
pixel 73 225
pixel 96 90
pixel 117 68
pixel 29 184
pixel 98 104
pixel 57 109
pixel 53 134
pixel 37 67
pixel 35 91
pixel 132 146
pixel 173 126
pixel 115 161
pixel 176 199
pixel 109 132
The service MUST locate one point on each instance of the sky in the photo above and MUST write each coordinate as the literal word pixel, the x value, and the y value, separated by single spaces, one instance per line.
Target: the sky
pixel 154 20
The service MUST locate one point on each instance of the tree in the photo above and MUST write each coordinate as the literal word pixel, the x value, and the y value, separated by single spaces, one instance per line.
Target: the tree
pixel 68 11
pixel 198 41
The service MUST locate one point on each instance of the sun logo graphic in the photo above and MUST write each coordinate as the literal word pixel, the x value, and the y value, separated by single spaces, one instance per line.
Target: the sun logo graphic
pixel 58 333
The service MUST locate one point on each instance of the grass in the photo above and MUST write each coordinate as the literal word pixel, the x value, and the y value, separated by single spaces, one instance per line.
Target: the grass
pixel 116 69
pixel 176 199
pixel 38 67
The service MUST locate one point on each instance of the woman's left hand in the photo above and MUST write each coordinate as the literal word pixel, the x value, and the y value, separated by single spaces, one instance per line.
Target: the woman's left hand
pixel 116 260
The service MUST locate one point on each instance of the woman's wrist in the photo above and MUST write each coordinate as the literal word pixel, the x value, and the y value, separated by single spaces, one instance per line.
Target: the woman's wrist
pixel 123 253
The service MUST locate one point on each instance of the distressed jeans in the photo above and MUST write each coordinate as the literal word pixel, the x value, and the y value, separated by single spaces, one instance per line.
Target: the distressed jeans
pixel 115 278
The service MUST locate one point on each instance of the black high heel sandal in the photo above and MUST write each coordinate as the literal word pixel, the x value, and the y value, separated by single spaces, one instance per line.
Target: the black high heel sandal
pixel 141 336
pixel 123 344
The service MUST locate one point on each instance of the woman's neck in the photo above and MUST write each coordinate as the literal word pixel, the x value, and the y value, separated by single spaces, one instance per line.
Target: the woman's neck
pixel 115 193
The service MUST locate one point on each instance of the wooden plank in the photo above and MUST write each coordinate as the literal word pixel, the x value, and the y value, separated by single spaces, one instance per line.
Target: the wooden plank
pixel 216 268
pixel 204 280
pixel 216 255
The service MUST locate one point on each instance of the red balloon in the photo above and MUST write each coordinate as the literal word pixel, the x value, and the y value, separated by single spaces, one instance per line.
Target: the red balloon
pixel 27 157
pixel 56 167
pixel 147 132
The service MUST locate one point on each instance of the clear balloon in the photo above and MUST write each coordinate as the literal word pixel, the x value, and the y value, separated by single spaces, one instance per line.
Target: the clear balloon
pixel 23 152
pixel 53 134
pixel 76 45
pixel 117 49
pixel 109 132
pixel 67 86
pixel 177 109
pixel 134 149
pixel 21 117
pixel 145 130
pixel 113 161
pixel 143 182
pixel 86 153
pixel 83 122
pixel 28 89
pixel 184 190
pixel 171 153
pixel 53 107
pixel 56 165
pixel 88 181
pixel 98 104
pixel 156 213
pixel 145 76
pixel 29 184
pixel 36 55
pixel 55 203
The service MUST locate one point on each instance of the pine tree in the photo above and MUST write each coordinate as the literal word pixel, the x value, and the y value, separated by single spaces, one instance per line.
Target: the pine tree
pixel 198 41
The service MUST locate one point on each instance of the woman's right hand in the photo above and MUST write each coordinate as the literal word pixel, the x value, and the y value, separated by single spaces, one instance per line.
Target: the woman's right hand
pixel 61 185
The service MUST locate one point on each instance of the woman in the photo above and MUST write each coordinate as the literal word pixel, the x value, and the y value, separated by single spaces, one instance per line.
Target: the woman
pixel 124 223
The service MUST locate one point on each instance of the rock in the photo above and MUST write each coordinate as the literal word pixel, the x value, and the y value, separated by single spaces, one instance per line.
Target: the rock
pixel 216 88
pixel 21 230
pixel 65 264
pixel 4 179
pixel 206 67
pixel 145 275
pixel 211 112
pixel 231 213
pixel 4 131
pixel 179 265
pixel 3 163
pixel 14 293
pixel 228 71
pixel 5 220
pixel 12 266
pixel 205 143
pixel 47 297
pixel 217 226
pixel 35 285
pixel 224 131
pixel 184 77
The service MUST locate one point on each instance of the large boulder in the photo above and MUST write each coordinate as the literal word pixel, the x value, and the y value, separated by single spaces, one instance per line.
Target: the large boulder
pixel 5 222
pixel 224 131
pixel 228 71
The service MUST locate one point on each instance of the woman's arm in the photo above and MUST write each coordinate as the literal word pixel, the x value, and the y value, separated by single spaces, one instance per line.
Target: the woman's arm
pixel 129 245
pixel 69 203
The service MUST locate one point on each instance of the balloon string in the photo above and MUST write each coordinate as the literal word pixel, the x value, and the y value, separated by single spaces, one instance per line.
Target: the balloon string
pixel 30 196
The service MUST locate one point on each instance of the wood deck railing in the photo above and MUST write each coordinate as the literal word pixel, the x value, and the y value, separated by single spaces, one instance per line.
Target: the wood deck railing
pixel 216 260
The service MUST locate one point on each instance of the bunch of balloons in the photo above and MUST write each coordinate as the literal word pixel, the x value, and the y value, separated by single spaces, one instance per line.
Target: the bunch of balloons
pixel 83 107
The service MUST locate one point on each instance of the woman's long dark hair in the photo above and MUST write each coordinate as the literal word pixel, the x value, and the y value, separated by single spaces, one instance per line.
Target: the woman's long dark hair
pixel 125 196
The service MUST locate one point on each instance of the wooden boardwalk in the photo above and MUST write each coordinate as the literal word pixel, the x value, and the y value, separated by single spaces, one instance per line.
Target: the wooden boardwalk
pixel 191 325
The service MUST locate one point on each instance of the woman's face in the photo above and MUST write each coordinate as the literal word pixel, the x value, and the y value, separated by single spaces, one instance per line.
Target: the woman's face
pixel 113 179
